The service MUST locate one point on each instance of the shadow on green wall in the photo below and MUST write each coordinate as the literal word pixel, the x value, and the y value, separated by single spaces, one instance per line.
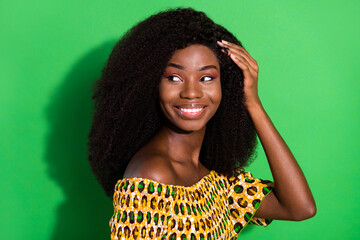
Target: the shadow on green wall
pixel 85 211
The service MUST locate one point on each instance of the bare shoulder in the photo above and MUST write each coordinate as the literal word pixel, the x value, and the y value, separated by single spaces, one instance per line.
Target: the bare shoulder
pixel 151 166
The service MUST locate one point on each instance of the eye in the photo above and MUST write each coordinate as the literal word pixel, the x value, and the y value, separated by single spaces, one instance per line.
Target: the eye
pixel 174 78
pixel 206 78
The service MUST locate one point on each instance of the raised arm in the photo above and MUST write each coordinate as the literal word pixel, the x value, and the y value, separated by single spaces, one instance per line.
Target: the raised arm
pixel 291 198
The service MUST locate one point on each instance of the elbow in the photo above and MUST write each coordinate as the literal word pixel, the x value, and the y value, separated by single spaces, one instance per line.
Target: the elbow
pixel 305 213
pixel 311 211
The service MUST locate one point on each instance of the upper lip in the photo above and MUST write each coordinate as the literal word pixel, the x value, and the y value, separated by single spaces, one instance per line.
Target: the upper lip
pixel 191 105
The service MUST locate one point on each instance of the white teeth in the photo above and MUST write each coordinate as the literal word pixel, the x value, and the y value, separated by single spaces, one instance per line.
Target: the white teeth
pixel 191 110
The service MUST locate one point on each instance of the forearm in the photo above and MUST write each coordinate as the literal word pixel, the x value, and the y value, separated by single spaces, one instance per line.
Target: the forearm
pixel 291 188
pixel 292 198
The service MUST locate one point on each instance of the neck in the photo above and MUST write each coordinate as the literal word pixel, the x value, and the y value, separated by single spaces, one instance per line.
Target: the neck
pixel 182 148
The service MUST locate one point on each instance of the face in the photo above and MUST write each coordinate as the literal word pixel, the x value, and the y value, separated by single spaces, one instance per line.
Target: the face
pixel 190 89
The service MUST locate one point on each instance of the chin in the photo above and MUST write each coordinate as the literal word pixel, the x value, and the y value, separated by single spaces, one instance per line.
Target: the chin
pixel 188 127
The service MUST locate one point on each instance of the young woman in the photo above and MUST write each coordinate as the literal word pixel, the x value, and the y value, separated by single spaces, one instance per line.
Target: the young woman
pixel 177 112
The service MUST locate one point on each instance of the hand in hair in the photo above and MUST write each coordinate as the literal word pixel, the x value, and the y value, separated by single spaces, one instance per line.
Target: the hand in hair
pixel 249 67
pixel 292 198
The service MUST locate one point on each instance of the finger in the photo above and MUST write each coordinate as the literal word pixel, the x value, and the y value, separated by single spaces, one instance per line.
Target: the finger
pixel 243 52
pixel 241 57
pixel 226 43
pixel 241 64
pixel 225 51
pixel 247 53
pixel 222 45
pixel 232 48
pixel 229 44
pixel 247 59
pixel 244 67
pixel 250 61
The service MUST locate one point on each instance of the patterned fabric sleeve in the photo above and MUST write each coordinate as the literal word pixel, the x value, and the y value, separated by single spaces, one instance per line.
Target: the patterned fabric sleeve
pixel 245 196
pixel 135 211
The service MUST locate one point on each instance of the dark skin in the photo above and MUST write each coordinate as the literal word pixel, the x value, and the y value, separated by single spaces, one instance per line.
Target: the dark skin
pixel 191 81
pixel 172 156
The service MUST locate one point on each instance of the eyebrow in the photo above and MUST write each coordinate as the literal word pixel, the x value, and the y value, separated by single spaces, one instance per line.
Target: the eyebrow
pixel 183 68
pixel 207 67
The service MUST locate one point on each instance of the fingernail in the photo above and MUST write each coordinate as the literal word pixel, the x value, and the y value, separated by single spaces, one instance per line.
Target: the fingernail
pixel 224 41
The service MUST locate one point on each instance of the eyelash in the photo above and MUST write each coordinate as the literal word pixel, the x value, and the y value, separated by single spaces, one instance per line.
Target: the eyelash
pixel 170 78
pixel 211 78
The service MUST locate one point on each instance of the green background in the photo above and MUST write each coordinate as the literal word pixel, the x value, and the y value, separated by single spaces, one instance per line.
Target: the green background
pixel 51 52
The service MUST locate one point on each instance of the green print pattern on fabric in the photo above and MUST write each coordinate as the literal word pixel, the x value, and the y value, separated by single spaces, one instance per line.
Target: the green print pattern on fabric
pixel 216 207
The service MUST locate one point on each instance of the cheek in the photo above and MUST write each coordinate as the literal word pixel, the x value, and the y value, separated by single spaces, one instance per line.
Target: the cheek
pixel 166 94
pixel 216 94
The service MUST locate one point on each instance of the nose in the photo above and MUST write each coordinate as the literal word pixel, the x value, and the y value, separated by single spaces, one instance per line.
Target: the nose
pixel 191 90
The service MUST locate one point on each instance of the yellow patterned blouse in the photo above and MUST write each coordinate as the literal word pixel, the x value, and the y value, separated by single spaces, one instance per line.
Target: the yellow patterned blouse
pixel 216 207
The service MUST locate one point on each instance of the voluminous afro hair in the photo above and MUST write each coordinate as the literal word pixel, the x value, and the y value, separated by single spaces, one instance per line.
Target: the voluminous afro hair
pixel 126 96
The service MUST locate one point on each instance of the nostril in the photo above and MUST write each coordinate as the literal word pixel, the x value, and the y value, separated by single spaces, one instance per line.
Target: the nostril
pixel 192 92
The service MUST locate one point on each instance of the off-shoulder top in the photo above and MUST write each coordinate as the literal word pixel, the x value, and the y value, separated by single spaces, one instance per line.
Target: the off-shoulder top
pixel 216 207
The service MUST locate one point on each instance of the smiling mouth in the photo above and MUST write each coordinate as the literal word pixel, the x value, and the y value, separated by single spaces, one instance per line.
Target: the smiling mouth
pixel 190 112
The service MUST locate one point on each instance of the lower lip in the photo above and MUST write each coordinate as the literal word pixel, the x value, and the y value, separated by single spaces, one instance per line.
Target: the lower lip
pixel 190 115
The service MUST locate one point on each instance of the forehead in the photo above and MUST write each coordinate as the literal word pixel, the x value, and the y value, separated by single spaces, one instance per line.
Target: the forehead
pixel 194 56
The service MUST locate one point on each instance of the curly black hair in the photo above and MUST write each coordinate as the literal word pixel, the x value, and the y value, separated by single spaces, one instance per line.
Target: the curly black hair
pixel 126 100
